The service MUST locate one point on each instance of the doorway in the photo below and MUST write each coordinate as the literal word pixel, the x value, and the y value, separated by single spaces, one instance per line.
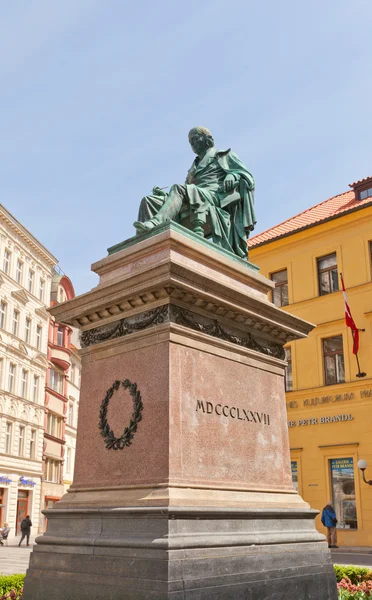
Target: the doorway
pixel 22 509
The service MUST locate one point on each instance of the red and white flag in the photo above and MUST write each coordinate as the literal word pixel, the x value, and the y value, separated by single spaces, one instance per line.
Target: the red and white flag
pixel 350 321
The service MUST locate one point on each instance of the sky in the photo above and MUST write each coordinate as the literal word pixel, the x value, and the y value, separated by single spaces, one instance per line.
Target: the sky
pixel 97 99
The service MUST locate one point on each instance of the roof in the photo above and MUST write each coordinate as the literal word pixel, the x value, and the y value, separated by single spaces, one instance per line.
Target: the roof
pixel 328 209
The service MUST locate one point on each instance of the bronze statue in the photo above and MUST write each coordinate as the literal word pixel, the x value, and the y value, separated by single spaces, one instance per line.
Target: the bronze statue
pixel 216 199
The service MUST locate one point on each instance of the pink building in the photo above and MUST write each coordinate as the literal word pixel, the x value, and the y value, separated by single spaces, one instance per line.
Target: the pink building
pixel 61 401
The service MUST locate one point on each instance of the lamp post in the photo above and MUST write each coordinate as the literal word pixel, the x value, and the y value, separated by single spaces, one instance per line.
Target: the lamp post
pixel 362 464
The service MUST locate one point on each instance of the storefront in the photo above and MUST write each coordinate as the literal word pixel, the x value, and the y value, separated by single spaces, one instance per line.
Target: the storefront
pixel 19 497
pixel 328 435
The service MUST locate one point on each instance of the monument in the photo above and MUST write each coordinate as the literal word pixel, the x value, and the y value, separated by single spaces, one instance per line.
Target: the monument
pixel 182 485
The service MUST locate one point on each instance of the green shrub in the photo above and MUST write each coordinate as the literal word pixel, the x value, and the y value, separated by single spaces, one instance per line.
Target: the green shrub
pixel 355 574
pixel 9 583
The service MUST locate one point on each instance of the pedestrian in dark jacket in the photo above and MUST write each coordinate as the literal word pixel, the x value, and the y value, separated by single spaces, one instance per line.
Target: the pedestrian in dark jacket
pixel 329 520
pixel 26 530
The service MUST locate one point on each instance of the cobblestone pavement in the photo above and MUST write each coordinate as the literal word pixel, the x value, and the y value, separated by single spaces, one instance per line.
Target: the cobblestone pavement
pixel 14 559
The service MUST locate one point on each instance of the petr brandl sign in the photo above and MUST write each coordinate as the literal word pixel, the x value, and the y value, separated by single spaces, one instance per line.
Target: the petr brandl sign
pixel 232 412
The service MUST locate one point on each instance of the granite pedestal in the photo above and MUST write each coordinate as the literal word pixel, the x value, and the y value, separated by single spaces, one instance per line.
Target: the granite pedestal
pixel 200 503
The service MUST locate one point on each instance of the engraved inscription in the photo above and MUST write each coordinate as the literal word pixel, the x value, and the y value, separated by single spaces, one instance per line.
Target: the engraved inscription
pixel 233 412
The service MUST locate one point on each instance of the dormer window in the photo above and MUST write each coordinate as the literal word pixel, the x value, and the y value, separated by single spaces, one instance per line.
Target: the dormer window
pixel 362 188
pixel 363 194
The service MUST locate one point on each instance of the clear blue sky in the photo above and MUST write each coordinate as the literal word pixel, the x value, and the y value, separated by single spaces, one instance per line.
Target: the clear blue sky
pixel 97 98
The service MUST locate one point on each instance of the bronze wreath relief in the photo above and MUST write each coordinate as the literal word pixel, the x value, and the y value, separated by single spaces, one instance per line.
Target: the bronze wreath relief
pixel 118 443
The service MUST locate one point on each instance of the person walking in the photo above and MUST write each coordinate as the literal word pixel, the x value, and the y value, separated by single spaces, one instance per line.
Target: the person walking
pixel 329 520
pixel 26 530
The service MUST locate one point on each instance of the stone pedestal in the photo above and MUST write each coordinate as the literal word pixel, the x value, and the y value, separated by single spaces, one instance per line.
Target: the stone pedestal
pixel 182 485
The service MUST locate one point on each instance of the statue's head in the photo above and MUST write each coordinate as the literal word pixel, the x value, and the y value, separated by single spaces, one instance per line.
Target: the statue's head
pixel 200 139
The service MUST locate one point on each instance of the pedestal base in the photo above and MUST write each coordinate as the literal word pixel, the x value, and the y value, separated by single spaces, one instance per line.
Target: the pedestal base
pixel 181 553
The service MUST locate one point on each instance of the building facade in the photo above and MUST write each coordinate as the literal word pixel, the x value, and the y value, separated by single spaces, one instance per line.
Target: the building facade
pixel 39 379
pixel 328 396
pixel 61 402
pixel 25 286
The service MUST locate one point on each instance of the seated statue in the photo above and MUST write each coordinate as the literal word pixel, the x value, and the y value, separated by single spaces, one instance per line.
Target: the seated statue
pixel 218 188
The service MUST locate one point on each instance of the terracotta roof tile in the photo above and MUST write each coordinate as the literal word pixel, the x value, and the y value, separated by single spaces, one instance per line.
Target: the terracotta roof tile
pixel 316 214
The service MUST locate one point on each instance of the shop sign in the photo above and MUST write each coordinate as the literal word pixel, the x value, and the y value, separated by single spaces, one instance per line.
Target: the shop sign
pixel 24 481
pixel 4 479
pixel 320 420
pixel 329 399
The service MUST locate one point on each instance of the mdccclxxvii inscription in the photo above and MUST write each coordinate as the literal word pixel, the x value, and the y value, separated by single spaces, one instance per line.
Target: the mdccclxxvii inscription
pixel 233 412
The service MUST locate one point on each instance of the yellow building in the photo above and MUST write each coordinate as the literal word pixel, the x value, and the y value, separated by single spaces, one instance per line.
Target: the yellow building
pixel 329 402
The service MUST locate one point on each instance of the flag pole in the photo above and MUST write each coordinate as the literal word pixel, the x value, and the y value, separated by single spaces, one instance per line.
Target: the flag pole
pixel 354 329
pixel 360 373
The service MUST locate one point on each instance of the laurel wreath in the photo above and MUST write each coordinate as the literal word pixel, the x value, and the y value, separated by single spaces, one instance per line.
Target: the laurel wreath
pixel 112 442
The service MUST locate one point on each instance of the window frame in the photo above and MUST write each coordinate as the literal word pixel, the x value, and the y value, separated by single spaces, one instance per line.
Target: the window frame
pixel 35 388
pixel 19 271
pixel 21 440
pixel 3 314
pixel 41 289
pixel 7 257
pixel 279 285
pixel 328 270
pixel 333 354
pixel 39 333
pixel 28 325
pixel 15 322
pixel 24 383
pixel 8 437
pixel 33 438
pixel 31 281
pixel 11 377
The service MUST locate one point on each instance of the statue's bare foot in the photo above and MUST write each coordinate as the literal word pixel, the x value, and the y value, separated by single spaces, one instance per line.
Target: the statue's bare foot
pixel 145 226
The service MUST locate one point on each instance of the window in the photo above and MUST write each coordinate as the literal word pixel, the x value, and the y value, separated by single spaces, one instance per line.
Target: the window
pixel 27 330
pixel 3 307
pixel 8 437
pixel 334 368
pixel 6 261
pixel 343 492
pixel 280 292
pixel 365 194
pixel 30 281
pixel 21 440
pixel 15 322
pixel 60 335
pixel 33 443
pixel 41 289
pixel 70 416
pixel 19 271
pixel 1 372
pixel 54 425
pixel 288 370
pixel 24 383
pixel 327 274
pixel 11 376
pixel 56 381
pixel 294 469
pixel 68 460
pixel 35 388
pixel 51 470
pixel 38 336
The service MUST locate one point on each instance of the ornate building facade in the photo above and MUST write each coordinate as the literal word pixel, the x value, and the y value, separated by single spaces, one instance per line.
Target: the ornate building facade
pixel 39 379
pixel 25 286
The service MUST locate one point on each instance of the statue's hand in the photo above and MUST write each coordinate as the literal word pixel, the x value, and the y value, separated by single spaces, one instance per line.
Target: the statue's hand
pixel 228 184
pixel 157 191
